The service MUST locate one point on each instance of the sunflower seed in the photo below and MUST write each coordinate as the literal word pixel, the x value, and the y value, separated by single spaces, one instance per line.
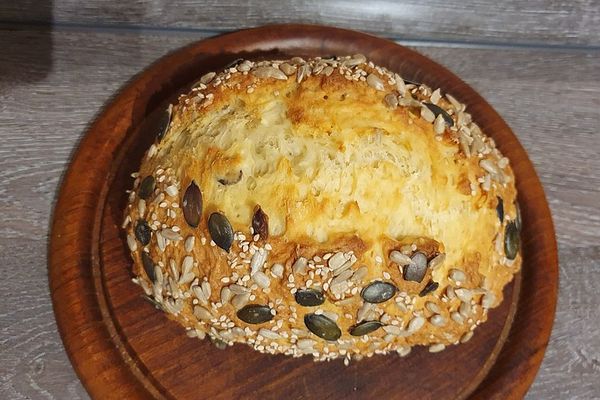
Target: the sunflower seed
pixel 161 241
pixel 437 320
pixel 220 230
pixel 245 66
pixel 328 70
pixel 356 59
pixel 146 187
pixel 240 300
pixel 206 289
pixel 511 241
pixel 437 110
pixel 261 279
pixel 337 260
pixel 309 297
pixel 488 300
pixel 464 294
pixel 399 258
pixel 378 292
pixel 465 309
pixel 254 314
pixel 142 231
pixel 148 266
pixel 430 287
pixel 439 125
pixel 457 317
pixel 457 275
pixel 187 264
pixel 305 343
pixel 432 307
pixel 322 326
pixel 364 311
pixel 238 289
pixel 207 78
pixel 170 234
pixel 258 261
pixel 403 351
pixel 416 270
pixel 331 315
pixel 202 313
pixel 437 261
pixel 437 348
pixel 299 267
pixel 400 86
pixel 189 244
pixel 489 166
pixel 288 69
pixel 364 328
pixel 435 96
pixel 466 337
pixel 375 82
pixel 225 295
pixel 395 330
pixel 131 243
pixel 391 100
pixel 200 295
pixel 269 334
pixel 341 278
pixel 269 72
pixel 277 270
pixel 427 114
pixel 142 207
pixel 359 274
pixel 192 205
pixel 457 106
pixel 415 324
pixel 303 72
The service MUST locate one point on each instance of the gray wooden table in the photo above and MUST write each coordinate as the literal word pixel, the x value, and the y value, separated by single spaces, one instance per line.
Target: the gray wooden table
pixel 537 62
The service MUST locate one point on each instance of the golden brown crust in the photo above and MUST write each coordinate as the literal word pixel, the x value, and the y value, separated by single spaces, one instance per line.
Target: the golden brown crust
pixel 362 180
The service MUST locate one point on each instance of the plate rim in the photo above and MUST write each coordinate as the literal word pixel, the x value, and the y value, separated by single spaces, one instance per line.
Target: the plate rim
pixel 70 289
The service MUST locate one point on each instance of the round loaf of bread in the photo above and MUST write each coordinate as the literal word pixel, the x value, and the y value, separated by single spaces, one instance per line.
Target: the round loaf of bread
pixel 323 207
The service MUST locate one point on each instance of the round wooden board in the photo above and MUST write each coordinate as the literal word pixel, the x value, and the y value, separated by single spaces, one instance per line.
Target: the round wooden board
pixel 122 347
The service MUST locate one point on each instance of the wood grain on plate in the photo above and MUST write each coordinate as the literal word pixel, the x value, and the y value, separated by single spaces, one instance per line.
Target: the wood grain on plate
pixel 559 22
pixel 139 352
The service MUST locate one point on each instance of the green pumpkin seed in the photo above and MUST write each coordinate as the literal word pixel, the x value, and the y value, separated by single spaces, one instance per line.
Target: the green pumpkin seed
pixel 430 287
pixel 146 187
pixel 192 205
pixel 364 328
pixel 322 326
pixel 437 110
pixel 416 270
pixel 162 125
pixel 143 233
pixel 220 230
pixel 378 292
pixel 255 314
pixel 500 209
pixel 511 241
pixel 309 297
pixel 260 223
pixel 148 266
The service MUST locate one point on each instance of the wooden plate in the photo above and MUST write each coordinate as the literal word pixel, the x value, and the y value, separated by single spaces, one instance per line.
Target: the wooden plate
pixel 122 347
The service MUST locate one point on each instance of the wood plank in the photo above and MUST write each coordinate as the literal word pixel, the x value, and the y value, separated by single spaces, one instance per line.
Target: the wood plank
pixel 543 22
pixel 550 98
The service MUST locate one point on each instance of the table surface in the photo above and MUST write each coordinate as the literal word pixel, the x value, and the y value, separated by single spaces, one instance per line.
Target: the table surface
pixel 537 62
